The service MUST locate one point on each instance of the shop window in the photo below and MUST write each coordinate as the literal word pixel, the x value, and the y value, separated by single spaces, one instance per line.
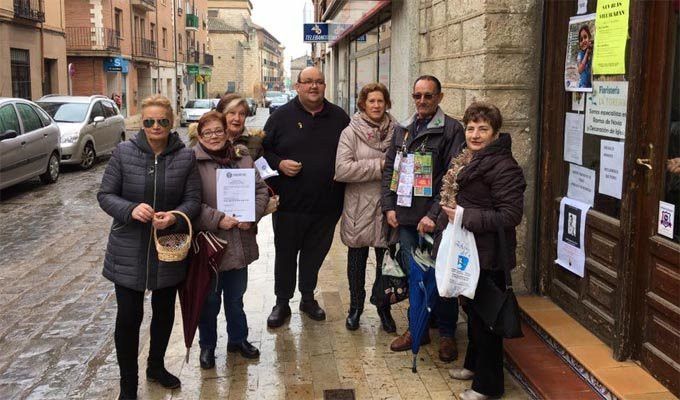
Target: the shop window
pixel 21 73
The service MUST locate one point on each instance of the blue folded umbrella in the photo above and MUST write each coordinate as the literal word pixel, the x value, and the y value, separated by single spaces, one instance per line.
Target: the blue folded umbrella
pixel 423 289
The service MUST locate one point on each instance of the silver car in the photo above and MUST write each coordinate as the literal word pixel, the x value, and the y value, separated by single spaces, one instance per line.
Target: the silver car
pixel 29 143
pixel 194 110
pixel 90 126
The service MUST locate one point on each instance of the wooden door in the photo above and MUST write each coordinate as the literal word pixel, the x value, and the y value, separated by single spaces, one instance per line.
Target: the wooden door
pixel 656 324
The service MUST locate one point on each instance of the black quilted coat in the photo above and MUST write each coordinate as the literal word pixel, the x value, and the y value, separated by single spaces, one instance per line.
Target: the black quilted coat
pixel 134 175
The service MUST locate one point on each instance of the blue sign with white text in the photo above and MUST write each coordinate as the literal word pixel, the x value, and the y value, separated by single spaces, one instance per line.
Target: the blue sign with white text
pixel 316 32
pixel 115 64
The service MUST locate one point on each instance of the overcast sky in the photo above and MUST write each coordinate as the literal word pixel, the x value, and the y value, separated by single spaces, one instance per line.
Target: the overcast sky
pixel 283 19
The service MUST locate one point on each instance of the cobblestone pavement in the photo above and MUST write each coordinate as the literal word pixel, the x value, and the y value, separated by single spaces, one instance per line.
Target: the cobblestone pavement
pixel 57 317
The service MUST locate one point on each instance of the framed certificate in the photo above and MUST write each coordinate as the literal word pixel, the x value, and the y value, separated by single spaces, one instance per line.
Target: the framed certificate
pixel 236 193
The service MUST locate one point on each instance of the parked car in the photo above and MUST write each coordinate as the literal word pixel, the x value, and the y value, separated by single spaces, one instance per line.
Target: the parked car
pixel 270 95
pixel 252 104
pixel 291 94
pixel 90 126
pixel 194 110
pixel 29 143
pixel 277 102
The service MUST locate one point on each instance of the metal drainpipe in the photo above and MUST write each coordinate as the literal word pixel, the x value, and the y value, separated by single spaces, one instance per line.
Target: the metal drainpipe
pixel 174 40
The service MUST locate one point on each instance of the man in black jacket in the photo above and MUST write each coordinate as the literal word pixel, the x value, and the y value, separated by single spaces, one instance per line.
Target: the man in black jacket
pixel 428 135
pixel 301 141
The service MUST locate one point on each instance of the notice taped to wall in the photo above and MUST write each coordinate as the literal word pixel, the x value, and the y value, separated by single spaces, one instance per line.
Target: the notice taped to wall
pixel 573 138
pixel 611 168
pixel 612 35
pixel 606 109
pixel 571 252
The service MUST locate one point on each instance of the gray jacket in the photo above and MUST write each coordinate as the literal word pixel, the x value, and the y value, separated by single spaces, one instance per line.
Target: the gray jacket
pixel 134 175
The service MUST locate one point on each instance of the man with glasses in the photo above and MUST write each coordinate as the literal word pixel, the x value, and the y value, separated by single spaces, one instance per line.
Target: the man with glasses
pixel 415 164
pixel 301 141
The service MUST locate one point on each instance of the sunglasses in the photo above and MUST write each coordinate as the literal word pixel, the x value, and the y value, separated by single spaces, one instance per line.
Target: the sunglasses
pixel 426 96
pixel 149 122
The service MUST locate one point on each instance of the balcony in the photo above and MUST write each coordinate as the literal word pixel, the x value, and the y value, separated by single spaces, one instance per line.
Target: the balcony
pixel 92 39
pixel 145 47
pixel 192 22
pixel 33 10
pixel 144 5
pixel 207 59
pixel 192 56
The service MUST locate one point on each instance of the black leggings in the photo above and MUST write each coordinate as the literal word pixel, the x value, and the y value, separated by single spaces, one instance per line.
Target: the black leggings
pixel 356 275
pixel 128 321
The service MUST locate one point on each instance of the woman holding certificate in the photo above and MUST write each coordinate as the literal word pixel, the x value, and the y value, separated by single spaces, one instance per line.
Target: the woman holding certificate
pixel 214 153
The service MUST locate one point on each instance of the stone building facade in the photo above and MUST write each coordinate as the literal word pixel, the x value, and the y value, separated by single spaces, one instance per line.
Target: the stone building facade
pixel 297 65
pixel 33 49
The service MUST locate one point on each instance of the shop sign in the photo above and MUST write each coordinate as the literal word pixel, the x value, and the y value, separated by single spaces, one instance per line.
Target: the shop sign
pixel 192 69
pixel 116 64
pixel 606 109
pixel 316 32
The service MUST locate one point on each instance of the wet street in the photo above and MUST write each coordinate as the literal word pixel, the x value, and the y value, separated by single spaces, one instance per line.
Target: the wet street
pixel 57 318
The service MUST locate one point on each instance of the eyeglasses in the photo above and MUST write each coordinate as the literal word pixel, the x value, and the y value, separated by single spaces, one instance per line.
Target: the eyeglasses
pixel 311 82
pixel 149 122
pixel 426 96
pixel 209 134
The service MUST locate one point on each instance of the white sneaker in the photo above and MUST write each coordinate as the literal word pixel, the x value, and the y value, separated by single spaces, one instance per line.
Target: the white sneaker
pixel 470 394
pixel 462 374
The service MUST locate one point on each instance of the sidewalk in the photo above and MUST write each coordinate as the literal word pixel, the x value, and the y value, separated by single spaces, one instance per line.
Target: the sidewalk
pixel 304 357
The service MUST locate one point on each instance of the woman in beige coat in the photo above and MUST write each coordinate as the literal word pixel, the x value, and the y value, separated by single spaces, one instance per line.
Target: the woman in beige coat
pixel 359 163
pixel 215 151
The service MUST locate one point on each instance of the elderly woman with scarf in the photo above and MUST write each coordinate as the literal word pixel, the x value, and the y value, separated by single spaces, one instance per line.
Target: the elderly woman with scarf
pixel 235 110
pixel 486 181
pixel 215 151
pixel 359 162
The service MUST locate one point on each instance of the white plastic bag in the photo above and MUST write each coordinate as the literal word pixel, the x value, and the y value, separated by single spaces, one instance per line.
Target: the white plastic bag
pixel 457 265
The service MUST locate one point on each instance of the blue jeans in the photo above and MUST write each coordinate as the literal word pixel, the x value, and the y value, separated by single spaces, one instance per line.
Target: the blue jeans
pixel 445 309
pixel 231 285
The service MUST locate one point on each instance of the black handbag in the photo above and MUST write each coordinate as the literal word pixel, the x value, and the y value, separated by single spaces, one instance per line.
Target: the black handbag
pixel 498 308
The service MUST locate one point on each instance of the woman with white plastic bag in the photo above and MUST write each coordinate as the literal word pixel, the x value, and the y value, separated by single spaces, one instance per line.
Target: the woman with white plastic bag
pixel 488 183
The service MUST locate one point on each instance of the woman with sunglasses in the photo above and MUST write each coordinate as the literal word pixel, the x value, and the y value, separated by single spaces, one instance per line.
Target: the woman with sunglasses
pixel 146 177
pixel 215 151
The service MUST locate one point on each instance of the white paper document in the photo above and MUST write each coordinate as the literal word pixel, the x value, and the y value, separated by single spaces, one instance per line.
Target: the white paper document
pixel 264 169
pixel 571 232
pixel 611 168
pixel 582 7
pixel 606 109
pixel 666 219
pixel 236 193
pixel 573 138
pixel 581 184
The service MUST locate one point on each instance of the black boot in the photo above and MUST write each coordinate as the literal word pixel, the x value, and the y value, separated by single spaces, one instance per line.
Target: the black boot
pixel 128 388
pixel 386 319
pixel 352 322
pixel 356 277
pixel 207 358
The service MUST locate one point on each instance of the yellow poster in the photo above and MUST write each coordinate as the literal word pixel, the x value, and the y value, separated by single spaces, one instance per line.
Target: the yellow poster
pixel 609 55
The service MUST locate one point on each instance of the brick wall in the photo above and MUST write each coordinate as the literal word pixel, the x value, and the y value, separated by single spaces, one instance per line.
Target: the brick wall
pixel 489 50
pixel 89 78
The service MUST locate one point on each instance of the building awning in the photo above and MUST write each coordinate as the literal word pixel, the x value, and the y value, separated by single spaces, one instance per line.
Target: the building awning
pixel 353 14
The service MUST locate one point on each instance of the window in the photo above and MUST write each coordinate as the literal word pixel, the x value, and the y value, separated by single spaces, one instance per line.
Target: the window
pixel 179 42
pixel 21 73
pixel 29 118
pixel 97 111
pixel 153 32
pixel 142 24
pixel 231 87
pixel 117 21
pixel 42 115
pixel 109 109
pixel 213 13
pixel 154 85
pixel 9 120
pixel 165 38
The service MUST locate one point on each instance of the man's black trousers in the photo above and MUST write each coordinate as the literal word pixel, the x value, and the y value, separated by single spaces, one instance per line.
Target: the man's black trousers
pixel 308 236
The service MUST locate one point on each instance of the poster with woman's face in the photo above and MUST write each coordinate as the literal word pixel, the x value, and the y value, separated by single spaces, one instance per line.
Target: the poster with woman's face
pixel 578 66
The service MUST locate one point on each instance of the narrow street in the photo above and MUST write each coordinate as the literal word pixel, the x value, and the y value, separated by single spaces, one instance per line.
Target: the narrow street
pixel 57 318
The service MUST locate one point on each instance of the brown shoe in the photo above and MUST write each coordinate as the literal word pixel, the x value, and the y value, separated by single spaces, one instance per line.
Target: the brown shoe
pixel 448 350
pixel 403 342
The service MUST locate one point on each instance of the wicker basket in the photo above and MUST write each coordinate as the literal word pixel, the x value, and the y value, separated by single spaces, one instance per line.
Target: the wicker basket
pixel 174 247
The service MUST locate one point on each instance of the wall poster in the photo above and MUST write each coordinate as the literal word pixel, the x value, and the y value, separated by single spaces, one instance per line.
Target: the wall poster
pixel 578 73
pixel 606 109
pixel 571 252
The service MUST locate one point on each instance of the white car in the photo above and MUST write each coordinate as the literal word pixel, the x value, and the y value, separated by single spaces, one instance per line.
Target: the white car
pixel 29 143
pixel 90 126
pixel 194 110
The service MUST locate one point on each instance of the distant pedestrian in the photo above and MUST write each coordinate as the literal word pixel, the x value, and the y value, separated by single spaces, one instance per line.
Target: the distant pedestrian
pixel 117 99
pixel 146 177
pixel 489 186
pixel 301 142
pixel 359 162
pixel 216 151
pixel 235 110
pixel 429 140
